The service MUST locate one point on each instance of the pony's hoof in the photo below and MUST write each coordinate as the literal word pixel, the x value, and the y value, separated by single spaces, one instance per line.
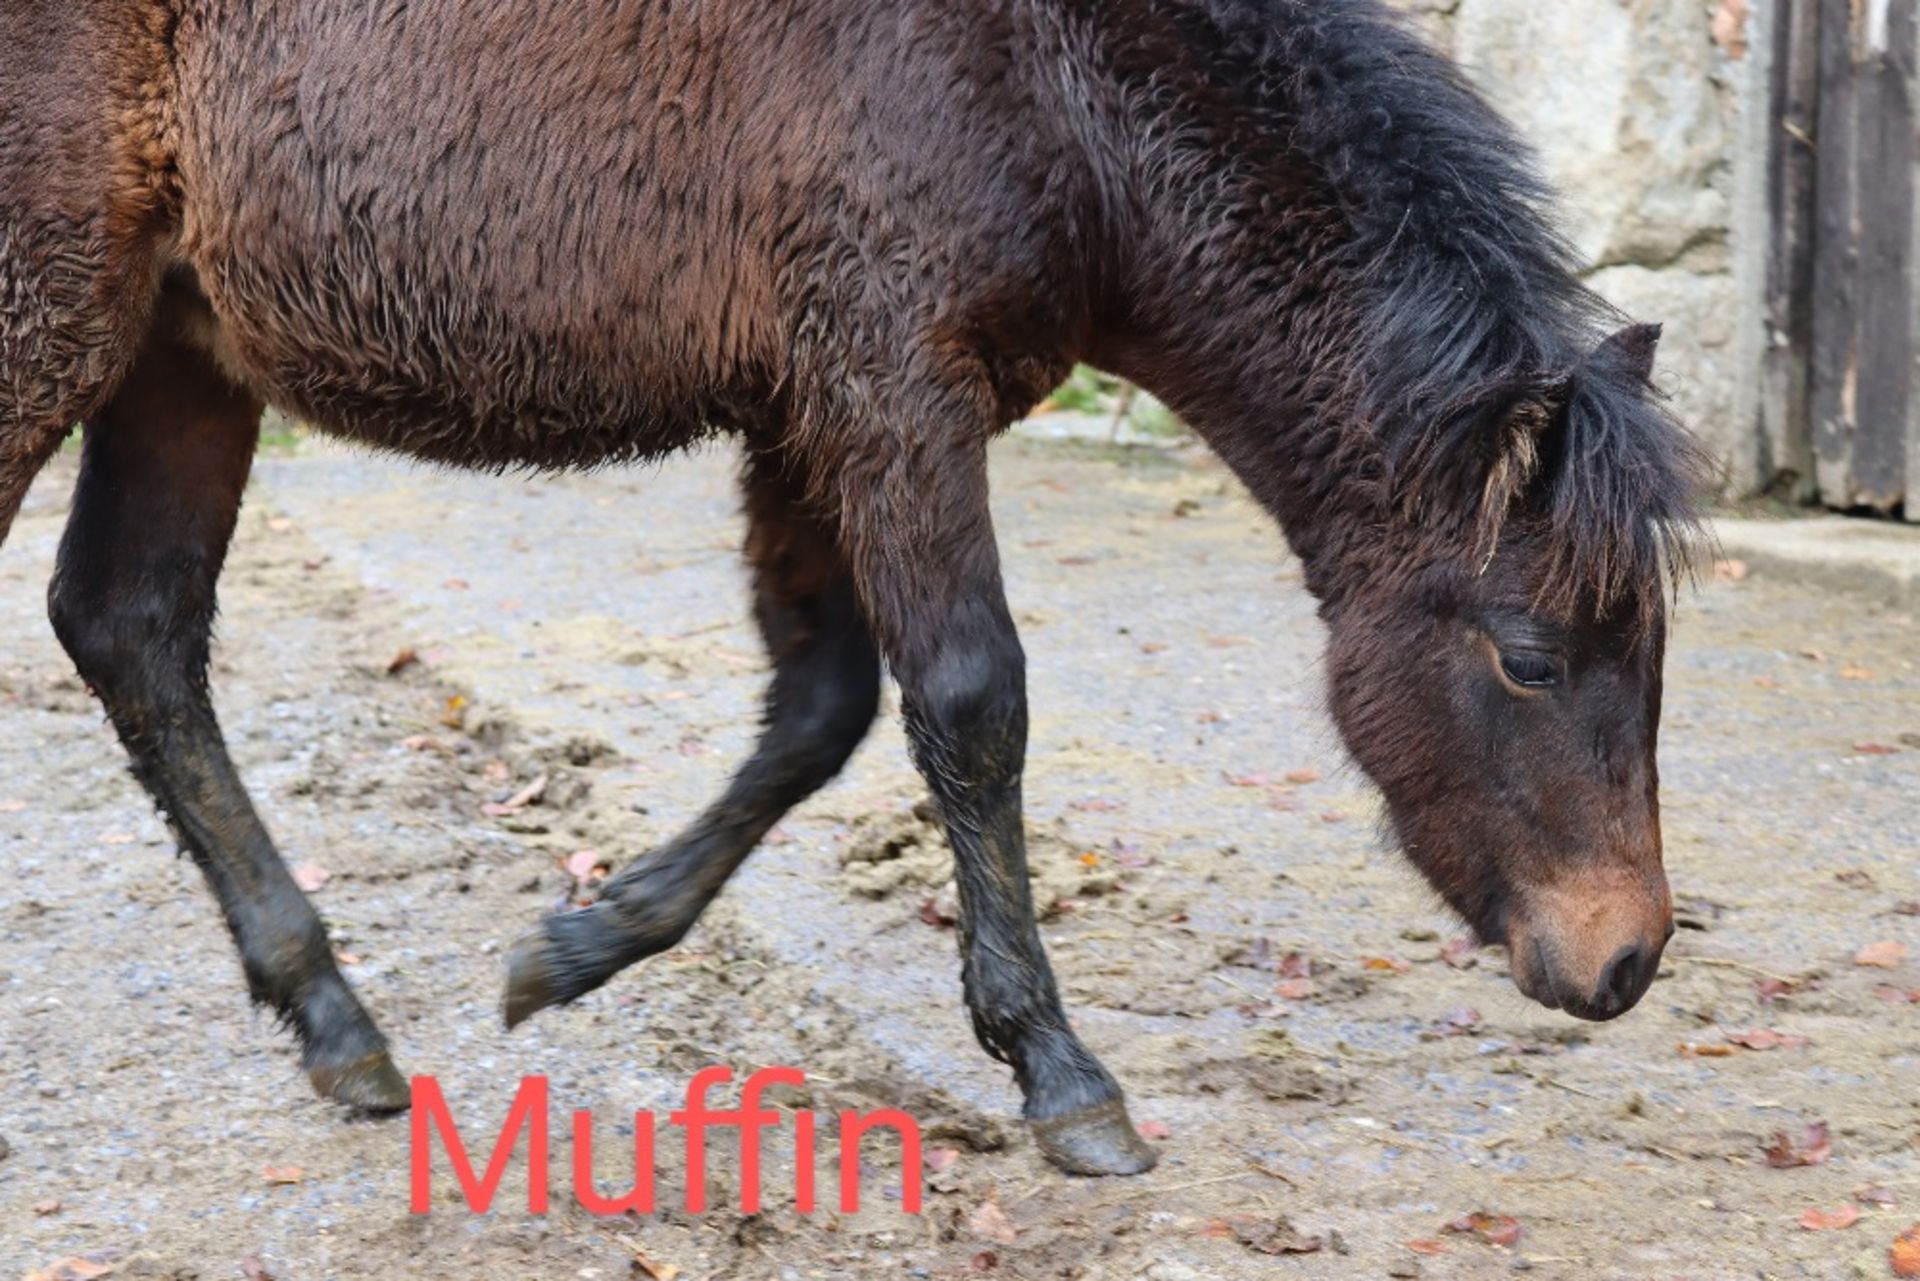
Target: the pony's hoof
pixel 369 1084
pixel 1096 1140
pixel 530 980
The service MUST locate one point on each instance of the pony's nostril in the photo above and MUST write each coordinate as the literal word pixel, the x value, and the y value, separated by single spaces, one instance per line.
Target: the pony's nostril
pixel 1621 985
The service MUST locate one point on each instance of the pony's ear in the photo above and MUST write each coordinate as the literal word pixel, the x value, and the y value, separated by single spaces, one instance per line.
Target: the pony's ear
pixel 1518 444
pixel 1631 351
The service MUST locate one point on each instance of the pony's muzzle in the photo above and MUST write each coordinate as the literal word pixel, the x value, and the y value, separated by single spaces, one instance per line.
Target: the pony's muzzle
pixel 1589 948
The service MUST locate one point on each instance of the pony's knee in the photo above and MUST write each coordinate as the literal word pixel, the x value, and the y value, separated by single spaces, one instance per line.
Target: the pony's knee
pixel 125 640
pixel 969 701
pixel 85 629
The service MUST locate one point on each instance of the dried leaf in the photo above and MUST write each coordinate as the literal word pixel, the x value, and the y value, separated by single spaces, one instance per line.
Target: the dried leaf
pixel 1294 989
pixel 281 1175
pixel 1875 749
pixel 520 800
pixel 1301 777
pixel 1460 953
pixel 44 1208
pixel 1494 1229
pixel 1815 1146
pixel 453 714
pixel 653 1268
pixel 1904 1255
pixel 939 1159
pixel 118 838
pixel 1333 816
pixel 990 1223
pixel 1766 1039
pixel 1875 1196
pixel 402 660
pixel 1094 805
pixel 1462 1022
pixel 1276 1236
pixel 1830 1220
pixel 73 1269
pixel 1296 965
pixel 1155 1130
pixel 1688 1050
pixel 588 866
pixel 310 877
pixel 1881 956
pixel 1730 28
pixel 1730 571
pixel 1427 1245
pixel 253 1270
pixel 1385 964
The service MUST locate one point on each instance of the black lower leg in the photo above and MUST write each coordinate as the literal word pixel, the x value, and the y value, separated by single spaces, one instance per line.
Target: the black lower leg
pixel 929 575
pixel 133 603
pixel 967 720
pixel 825 691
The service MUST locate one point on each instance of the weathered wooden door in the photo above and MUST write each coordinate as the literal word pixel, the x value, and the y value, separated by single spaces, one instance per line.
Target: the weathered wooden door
pixel 1846 313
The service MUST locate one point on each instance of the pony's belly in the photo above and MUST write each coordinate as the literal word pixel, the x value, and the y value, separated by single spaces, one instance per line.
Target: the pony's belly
pixel 497 394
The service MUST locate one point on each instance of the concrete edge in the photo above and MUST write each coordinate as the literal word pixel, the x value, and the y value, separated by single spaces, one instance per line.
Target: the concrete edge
pixel 1872 560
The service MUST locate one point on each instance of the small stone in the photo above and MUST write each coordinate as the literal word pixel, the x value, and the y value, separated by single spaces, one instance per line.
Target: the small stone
pixel 1404 1269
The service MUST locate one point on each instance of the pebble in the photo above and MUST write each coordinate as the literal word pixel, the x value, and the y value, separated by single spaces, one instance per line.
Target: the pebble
pixel 1174 1272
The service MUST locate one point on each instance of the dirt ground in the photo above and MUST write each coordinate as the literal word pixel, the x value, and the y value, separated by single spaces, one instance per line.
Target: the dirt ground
pixel 1332 1085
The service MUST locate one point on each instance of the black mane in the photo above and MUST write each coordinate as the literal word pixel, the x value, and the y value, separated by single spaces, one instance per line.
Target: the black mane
pixel 1482 388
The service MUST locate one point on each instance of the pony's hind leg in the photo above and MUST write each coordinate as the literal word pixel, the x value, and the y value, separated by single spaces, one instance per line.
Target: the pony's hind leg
pixel 133 602
pixel 825 692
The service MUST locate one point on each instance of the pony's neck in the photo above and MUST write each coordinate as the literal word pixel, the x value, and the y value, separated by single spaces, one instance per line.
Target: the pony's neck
pixel 1308 470
pixel 1252 345
pixel 1336 269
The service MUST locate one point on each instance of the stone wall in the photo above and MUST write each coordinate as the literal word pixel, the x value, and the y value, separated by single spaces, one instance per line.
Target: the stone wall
pixel 1635 109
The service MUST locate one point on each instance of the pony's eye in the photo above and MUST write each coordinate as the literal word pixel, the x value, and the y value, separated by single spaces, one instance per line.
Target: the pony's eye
pixel 1530 668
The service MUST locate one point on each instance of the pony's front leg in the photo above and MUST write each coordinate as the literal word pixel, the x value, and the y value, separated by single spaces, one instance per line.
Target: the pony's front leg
pixel 921 540
pixel 133 602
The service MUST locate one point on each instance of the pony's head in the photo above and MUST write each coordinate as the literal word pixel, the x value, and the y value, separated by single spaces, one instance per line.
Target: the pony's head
pixel 1496 668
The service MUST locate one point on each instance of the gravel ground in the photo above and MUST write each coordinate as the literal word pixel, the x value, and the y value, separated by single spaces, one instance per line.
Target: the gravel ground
pixel 1272 985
